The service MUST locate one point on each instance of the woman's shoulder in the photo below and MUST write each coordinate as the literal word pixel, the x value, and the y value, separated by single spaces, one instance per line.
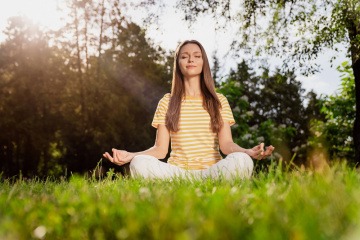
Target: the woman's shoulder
pixel 167 95
pixel 221 96
pixel 165 98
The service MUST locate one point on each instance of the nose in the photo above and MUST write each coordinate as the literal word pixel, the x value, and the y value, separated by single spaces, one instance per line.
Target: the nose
pixel 191 59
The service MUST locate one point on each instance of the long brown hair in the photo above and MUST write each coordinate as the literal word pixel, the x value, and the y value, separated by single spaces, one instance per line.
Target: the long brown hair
pixel 211 102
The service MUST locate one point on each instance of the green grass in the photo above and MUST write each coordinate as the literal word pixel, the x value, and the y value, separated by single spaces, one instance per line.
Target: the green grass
pixel 275 205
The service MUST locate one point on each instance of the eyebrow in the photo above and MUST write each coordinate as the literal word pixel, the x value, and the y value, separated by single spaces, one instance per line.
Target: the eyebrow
pixel 188 52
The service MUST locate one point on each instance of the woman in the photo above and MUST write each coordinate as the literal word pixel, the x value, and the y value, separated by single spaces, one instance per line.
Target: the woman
pixel 197 120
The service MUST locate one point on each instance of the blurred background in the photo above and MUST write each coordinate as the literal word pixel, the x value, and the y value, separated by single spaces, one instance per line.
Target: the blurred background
pixel 79 77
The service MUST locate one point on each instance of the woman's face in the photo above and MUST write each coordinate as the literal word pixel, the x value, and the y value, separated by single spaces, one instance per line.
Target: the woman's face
pixel 190 60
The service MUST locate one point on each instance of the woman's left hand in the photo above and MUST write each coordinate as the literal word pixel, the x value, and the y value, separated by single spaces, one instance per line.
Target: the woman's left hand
pixel 258 152
pixel 120 157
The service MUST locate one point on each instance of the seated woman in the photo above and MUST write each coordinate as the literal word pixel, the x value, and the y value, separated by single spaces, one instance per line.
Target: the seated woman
pixel 197 121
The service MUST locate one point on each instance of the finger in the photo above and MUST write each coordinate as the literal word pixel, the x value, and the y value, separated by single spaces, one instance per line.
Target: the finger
pixel 117 160
pixel 262 146
pixel 108 156
pixel 258 152
pixel 121 154
pixel 257 147
pixel 268 151
pixel 116 156
pixel 257 155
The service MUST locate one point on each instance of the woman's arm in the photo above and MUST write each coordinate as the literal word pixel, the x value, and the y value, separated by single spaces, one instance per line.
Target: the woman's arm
pixel 159 150
pixel 228 146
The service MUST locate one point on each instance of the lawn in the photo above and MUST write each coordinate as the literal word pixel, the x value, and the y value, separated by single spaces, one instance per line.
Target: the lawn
pixel 272 205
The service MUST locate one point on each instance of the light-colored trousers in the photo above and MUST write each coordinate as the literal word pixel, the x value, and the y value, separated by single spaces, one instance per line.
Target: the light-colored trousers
pixel 235 165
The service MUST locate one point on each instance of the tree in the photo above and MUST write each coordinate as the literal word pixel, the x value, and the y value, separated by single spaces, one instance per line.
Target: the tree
pixel 298 29
pixel 31 86
pixel 268 108
pixel 114 66
pixel 339 111
pixel 68 96
pixel 215 69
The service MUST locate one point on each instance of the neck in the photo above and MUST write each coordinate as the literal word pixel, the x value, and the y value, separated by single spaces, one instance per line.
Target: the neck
pixel 192 86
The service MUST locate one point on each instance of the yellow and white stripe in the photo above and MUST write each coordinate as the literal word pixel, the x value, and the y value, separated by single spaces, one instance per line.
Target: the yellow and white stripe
pixel 194 146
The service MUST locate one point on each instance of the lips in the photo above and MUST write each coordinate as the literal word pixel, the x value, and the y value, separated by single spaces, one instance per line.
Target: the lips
pixel 190 66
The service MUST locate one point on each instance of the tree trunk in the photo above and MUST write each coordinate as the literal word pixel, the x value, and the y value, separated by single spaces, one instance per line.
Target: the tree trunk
pixel 100 40
pixel 86 20
pixel 79 69
pixel 356 133
pixel 354 33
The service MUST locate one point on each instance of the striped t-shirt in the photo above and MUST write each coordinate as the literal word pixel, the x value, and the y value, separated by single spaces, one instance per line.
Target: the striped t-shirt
pixel 194 146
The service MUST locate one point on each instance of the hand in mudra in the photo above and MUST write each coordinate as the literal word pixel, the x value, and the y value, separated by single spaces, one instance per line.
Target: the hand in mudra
pixel 258 152
pixel 119 157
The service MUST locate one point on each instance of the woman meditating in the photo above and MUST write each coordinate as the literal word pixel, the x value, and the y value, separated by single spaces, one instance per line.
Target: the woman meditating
pixel 196 120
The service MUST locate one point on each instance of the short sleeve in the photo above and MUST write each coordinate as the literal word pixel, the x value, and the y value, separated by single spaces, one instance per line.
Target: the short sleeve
pixel 225 111
pixel 160 113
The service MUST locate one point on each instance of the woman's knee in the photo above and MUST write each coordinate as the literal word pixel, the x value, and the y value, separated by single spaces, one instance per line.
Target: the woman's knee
pixel 137 161
pixel 243 163
pixel 139 165
pixel 240 156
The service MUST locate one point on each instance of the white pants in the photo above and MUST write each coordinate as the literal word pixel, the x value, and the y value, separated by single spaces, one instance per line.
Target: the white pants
pixel 235 165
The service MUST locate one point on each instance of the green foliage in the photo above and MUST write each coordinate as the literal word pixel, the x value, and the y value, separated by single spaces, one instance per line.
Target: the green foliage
pixel 275 205
pixel 68 96
pixel 31 86
pixel 297 31
pixel 339 111
pixel 268 108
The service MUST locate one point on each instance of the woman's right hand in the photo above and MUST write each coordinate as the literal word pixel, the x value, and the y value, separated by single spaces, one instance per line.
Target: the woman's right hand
pixel 258 151
pixel 119 157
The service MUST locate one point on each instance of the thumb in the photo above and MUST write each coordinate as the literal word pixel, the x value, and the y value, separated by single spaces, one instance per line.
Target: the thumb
pixel 262 148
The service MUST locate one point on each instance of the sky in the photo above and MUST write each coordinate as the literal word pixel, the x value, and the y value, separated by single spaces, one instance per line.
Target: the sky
pixel 171 30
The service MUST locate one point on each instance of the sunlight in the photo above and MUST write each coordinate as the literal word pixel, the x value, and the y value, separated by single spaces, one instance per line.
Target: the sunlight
pixel 171 30
pixel 42 12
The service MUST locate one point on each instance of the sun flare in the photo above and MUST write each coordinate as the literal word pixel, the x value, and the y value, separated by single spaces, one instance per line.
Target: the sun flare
pixel 41 12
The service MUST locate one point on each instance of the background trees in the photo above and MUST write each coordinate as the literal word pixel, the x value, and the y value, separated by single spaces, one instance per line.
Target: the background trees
pixel 271 108
pixel 335 130
pixel 294 30
pixel 67 96
pixel 31 83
